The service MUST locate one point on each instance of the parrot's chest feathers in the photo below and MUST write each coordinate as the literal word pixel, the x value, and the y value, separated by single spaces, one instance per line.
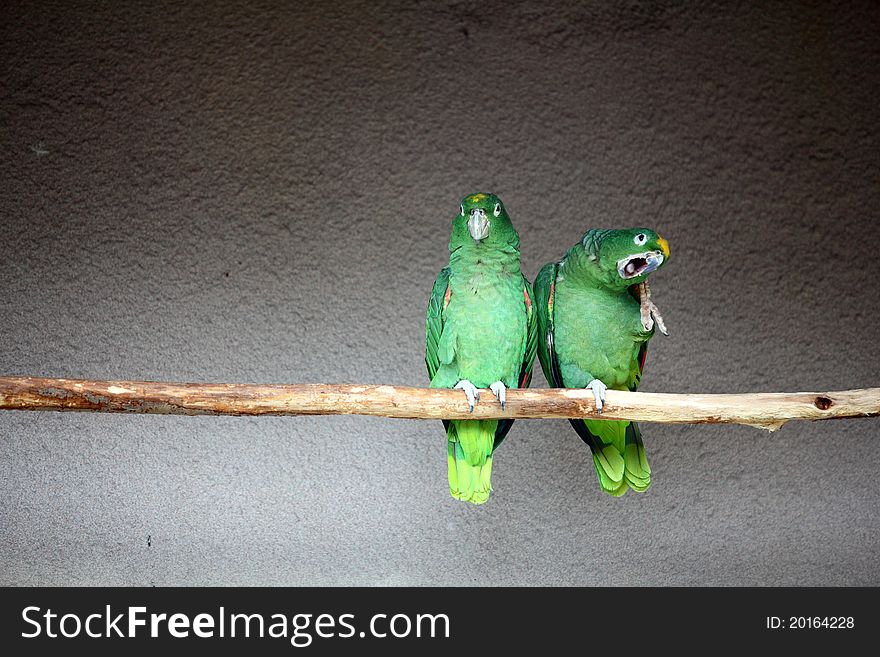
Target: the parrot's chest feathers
pixel 486 275
pixel 484 284
pixel 596 309
pixel 597 330
pixel 487 310
pixel 485 290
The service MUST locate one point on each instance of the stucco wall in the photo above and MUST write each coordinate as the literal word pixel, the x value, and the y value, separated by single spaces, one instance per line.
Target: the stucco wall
pixel 262 193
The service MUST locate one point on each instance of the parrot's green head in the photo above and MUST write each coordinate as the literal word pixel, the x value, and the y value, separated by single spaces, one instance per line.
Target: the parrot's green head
pixel 625 257
pixel 482 221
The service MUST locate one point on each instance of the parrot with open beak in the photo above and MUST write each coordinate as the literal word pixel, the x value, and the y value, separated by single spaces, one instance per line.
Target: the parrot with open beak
pixel 595 318
pixel 481 332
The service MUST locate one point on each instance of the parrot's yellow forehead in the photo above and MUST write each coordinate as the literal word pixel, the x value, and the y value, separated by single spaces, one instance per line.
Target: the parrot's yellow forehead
pixel 664 246
pixel 476 198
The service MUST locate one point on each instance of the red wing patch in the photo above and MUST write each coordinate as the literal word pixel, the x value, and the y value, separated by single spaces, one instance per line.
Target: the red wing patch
pixel 446 297
pixel 643 355
pixel 528 301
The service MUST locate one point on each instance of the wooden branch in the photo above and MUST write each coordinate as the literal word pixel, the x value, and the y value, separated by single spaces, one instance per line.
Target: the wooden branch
pixel 766 410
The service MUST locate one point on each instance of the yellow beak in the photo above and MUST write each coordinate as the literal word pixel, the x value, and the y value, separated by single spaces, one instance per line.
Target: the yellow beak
pixel 664 246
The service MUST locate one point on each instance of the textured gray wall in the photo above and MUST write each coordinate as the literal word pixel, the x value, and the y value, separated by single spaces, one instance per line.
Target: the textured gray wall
pixel 263 193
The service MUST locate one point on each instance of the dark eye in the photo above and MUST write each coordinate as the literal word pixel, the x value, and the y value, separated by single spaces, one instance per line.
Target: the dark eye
pixel 461 207
pixel 640 239
pixel 497 209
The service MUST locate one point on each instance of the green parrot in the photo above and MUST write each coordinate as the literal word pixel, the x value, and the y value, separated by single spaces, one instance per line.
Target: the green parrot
pixel 481 332
pixel 595 317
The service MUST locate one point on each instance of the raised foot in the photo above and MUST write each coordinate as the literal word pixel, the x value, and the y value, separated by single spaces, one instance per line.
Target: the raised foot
pixel 598 389
pixel 648 310
pixel 500 391
pixel 470 391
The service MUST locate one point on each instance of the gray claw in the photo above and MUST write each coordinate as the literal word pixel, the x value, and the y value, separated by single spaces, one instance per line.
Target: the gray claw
pixel 470 391
pixel 598 389
pixel 500 391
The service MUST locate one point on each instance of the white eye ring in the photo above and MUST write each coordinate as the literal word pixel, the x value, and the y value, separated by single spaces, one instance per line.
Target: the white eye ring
pixel 640 239
pixel 497 209
pixel 461 207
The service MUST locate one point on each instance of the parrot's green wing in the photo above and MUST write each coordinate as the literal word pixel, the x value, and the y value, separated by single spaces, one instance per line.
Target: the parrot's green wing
pixel 545 282
pixel 531 345
pixel 434 321
pixel 434 324
pixel 636 369
pixel 528 358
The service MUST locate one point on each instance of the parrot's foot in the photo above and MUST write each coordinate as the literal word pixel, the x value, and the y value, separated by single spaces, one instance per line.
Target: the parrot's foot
pixel 470 391
pixel 500 391
pixel 598 389
pixel 648 310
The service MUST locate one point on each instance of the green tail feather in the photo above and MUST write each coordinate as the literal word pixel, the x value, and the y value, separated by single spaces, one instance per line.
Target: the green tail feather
pixel 619 456
pixel 469 458
pixel 638 472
